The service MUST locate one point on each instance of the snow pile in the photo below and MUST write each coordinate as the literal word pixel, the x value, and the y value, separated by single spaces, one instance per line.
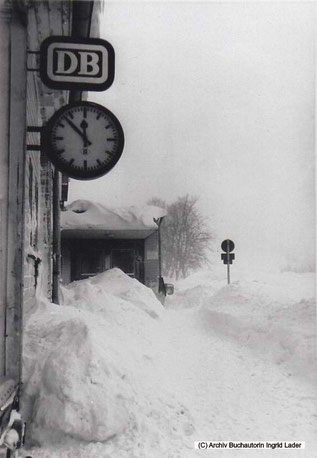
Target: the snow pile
pixel 92 370
pixel 108 288
pixel 74 387
pixel 274 316
pixel 195 289
pixel 83 214
pixel 114 374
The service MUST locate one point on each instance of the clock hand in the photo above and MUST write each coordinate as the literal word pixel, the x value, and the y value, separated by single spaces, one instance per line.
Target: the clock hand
pixel 84 126
pixel 76 129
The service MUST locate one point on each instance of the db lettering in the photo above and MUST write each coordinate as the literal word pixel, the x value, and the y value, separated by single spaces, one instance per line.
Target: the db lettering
pixel 77 62
pixel 68 63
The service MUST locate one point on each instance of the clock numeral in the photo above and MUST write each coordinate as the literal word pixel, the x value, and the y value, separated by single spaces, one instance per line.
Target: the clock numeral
pixel 111 139
pixel 107 127
pixel 60 124
pixel 85 112
pixel 60 151
pixel 85 165
pixel 99 162
pixel 58 138
pixel 70 114
pixel 71 161
pixel 98 116
pixel 109 152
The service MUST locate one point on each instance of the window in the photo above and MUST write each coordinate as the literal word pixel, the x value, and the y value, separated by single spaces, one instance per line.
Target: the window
pixel 124 259
pixel 92 262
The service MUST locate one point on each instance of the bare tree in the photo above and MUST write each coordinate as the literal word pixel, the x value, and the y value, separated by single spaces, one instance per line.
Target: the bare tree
pixel 185 237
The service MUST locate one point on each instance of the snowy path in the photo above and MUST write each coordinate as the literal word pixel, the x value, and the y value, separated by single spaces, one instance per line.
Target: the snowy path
pixel 234 395
pixel 238 366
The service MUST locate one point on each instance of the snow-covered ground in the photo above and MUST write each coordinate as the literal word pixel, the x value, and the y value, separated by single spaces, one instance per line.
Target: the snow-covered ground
pixel 114 374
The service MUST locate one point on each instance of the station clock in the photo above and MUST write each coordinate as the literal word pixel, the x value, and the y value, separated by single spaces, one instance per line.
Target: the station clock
pixel 84 140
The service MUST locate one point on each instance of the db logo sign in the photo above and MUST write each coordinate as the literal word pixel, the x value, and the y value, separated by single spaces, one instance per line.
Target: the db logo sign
pixel 70 63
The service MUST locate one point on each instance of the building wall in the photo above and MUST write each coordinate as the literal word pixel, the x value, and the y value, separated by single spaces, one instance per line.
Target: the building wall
pixel 151 261
pixel 43 19
pixel 77 253
pixel 15 237
pixel 5 18
pixel 80 252
pixel 66 265
pixel 26 188
pixel 25 175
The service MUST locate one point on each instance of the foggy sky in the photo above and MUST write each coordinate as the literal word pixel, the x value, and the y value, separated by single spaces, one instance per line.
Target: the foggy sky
pixel 217 100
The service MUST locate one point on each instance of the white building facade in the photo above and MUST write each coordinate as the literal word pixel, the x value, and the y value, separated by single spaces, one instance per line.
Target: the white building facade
pixel 30 188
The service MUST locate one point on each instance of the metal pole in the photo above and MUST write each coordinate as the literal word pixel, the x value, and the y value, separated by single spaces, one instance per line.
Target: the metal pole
pixel 228 262
pixel 56 237
pixel 159 245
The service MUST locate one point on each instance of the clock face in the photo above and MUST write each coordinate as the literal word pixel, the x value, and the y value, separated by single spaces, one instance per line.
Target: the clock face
pixel 84 140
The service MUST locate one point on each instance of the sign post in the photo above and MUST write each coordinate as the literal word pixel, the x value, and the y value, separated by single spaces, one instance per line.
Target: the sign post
pixel 227 257
pixel 228 271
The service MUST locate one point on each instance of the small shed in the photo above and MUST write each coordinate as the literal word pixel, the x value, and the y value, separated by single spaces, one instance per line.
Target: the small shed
pixel 96 238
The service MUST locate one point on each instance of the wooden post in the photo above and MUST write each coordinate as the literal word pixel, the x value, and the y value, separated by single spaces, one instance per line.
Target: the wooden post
pixel 5 18
pixel 15 234
pixel 56 237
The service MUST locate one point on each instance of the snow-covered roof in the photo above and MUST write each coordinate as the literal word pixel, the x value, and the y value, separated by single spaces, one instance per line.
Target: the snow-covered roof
pixel 86 219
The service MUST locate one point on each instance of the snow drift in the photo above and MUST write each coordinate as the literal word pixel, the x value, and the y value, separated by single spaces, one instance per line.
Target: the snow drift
pixel 274 316
pixel 90 366
pixel 113 373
